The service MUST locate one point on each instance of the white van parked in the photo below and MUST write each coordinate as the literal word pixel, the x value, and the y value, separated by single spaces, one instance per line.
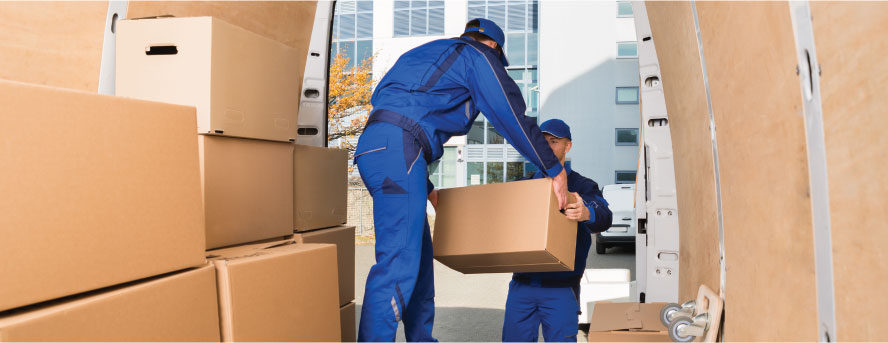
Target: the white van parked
pixel 621 201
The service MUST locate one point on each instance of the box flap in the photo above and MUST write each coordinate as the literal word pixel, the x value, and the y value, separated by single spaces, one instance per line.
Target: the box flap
pixel 626 316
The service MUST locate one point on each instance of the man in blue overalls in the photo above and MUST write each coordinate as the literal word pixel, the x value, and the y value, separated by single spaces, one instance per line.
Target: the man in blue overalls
pixel 432 93
pixel 552 299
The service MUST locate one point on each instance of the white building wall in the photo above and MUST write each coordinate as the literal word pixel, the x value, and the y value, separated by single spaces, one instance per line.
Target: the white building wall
pixel 579 73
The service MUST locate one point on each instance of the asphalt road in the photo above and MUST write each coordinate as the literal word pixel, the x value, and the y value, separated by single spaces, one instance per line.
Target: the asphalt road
pixel 471 307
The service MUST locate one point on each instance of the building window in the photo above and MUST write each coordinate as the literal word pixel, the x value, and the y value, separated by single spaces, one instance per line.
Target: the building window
pixel 624 176
pixel 626 136
pixel 474 173
pixel 627 50
pixel 442 172
pixel 519 20
pixel 624 9
pixel 353 31
pixel 627 95
pixel 419 18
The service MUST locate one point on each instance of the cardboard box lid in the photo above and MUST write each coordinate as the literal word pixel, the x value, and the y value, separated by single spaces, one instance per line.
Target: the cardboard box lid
pixel 176 307
pixel 479 226
pixel 626 316
pixel 280 291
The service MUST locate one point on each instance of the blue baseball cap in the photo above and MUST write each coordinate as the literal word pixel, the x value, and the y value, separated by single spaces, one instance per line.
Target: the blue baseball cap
pixel 556 127
pixel 490 29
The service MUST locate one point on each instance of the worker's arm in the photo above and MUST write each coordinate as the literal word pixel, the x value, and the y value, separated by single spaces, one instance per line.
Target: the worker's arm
pixel 497 96
pixel 600 216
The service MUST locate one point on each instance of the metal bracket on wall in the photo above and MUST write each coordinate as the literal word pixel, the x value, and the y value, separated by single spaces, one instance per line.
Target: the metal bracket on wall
pixel 116 11
pixel 809 77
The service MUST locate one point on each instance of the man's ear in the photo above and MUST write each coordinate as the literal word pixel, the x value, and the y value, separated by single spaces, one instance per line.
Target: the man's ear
pixel 568 146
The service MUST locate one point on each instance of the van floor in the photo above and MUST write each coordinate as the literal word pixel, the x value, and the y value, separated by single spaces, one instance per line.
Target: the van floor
pixel 470 308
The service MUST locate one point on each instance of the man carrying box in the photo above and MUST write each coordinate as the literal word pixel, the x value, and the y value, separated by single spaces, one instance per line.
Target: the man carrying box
pixel 432 93
pixel 552 298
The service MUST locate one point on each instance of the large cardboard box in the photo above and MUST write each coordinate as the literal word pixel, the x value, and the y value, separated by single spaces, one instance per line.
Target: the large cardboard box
pixel 280 291
pixel 344 238
pixel 96 191
pixel 247 189
pixel 173 308
pixel 348 319
pixel 503 228
pixel 320 178
pixel 243 84
pixel 627 322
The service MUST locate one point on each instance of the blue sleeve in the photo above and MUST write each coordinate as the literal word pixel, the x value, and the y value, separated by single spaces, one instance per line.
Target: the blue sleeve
pixel 600 216
pixel 497 96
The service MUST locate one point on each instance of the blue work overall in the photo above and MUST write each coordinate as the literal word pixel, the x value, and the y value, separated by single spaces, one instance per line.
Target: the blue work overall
pixel 432 93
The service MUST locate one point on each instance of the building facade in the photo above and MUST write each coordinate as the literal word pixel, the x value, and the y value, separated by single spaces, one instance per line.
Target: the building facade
pixel 573 60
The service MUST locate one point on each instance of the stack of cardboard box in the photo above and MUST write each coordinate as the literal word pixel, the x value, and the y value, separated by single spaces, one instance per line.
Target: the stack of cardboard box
pixel 114 204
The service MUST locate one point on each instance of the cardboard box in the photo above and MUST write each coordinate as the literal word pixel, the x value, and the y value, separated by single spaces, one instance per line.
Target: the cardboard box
pixel 348 321
pixel 320 178
pixel 247 189
pixel 97 191
pixel 344 238
pixel 627 322
pixel 503 228
pixel 174 308
pixel 280 291
pixel 243 84
pixel 40 43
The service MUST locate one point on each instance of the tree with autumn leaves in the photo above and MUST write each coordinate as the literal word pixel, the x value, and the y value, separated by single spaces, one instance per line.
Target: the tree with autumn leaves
pixel 349 107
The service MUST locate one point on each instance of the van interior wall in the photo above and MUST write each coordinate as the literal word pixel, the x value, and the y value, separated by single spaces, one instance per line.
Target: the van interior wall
pixel 56 44
pixel 852 58
pixel 288 22
pixel 750 56
pixel 673 32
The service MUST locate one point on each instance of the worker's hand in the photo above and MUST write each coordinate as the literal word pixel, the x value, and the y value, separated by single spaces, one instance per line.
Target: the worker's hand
pixel 433 197
pixel 577 211
pixel 559 184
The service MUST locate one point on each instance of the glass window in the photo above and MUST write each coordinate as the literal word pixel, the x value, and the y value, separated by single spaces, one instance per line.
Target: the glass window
pixel 514 170
pixel 627 95
pixel 476 11
pixel 346 26
pixel 476 133
pixel 529 169
pixel 494 172
pixel 627 50
pixel 493 136
pixel 626 136
pixel 365 25
pixel 419 18
pixel 434 173
pixel 624 9
pixel 532 49
pixel 365 50
pixel 624 176
pixel 448 167
pixel 515 48
pixel 365 5
pixel 474 173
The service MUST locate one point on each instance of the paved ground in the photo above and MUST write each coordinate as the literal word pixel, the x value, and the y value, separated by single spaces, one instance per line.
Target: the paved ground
pixel 471 307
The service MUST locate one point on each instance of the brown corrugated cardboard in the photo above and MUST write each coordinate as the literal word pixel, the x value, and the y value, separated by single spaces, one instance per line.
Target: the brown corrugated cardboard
pixel 628 336
pixel 503 228
pixel 347 319
pixel 280 291
pixel 344 238
pixel 248 189
pixel 175 308
pixel 41 42
pixel 621 322
pixel 243 84
pixel 320 178
pixel 97 191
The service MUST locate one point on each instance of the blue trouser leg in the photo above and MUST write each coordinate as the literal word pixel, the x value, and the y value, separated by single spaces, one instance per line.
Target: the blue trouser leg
pixel 521 323
pixel 529 306
pixel 420 314
pixel 390 165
